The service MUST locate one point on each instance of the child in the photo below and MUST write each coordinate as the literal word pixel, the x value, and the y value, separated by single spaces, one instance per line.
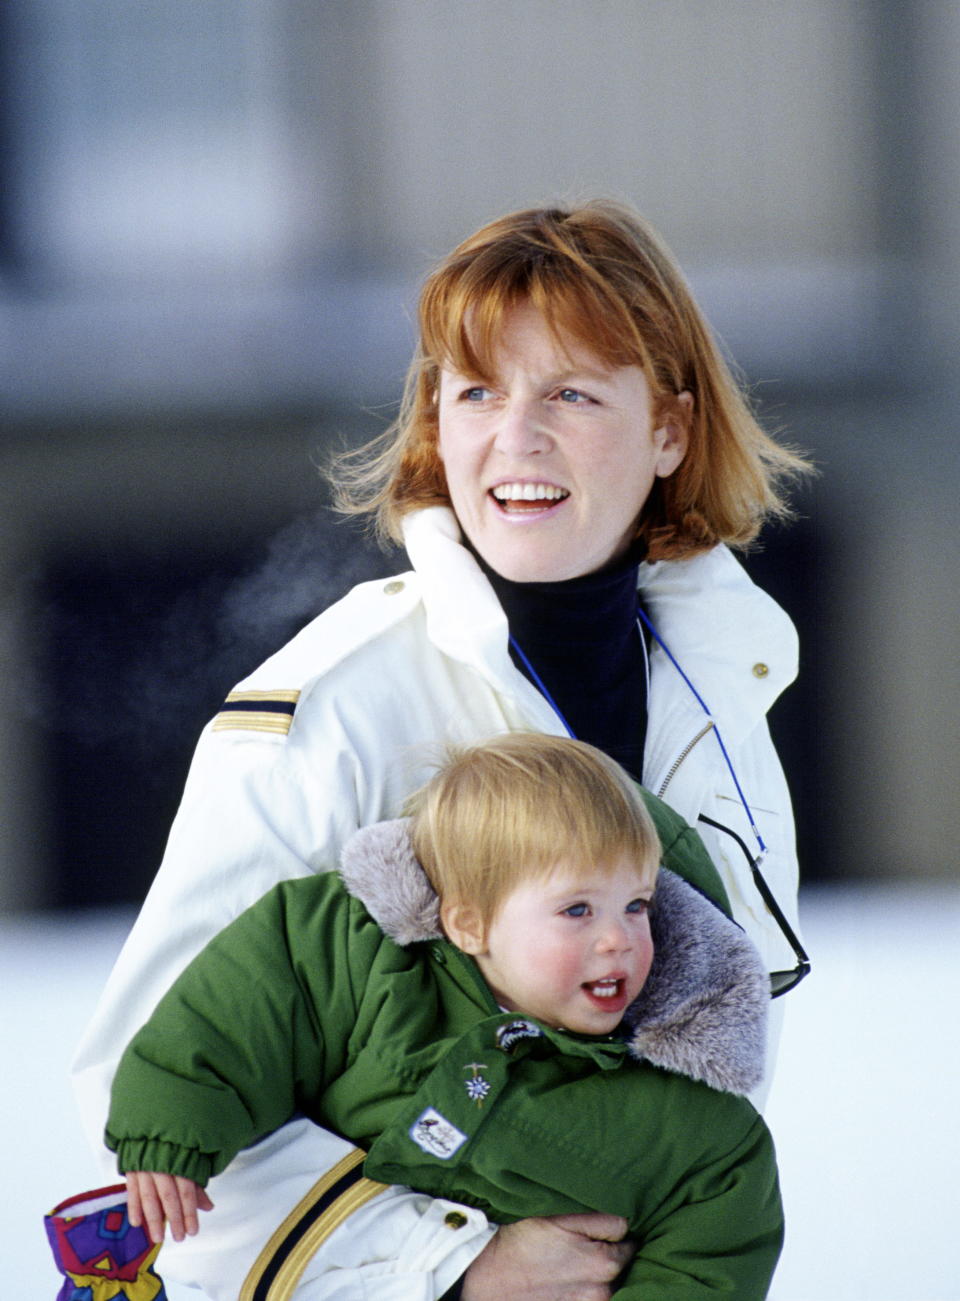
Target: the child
pixel 505 1004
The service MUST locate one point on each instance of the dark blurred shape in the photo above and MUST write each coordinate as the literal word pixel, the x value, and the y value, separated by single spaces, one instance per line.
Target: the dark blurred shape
pixel 139 647
pixel 790 565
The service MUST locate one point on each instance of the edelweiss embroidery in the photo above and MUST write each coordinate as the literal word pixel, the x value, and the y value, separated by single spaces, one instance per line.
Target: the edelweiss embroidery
pixel 477 1087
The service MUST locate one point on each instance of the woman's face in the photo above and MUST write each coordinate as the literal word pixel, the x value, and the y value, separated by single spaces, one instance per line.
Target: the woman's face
pixel 549 467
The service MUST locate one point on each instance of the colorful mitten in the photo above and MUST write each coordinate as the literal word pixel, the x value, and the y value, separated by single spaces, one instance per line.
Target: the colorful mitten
pixel 99 1253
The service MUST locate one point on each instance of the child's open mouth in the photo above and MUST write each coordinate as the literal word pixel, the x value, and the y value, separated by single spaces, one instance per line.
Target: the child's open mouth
pixel 609 993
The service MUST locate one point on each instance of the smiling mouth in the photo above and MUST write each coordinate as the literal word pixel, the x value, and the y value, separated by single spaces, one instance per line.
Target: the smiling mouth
pixel 603 989
pixel 526 497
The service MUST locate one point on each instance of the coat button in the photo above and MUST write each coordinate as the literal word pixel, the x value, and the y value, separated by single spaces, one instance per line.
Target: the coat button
pixel 454 1219
pixel 392 588
pixel 760 670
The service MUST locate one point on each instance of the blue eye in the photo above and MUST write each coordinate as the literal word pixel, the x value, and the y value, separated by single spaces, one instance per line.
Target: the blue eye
pixel 638 905
pixel 475 394
pixel 576 910
pixel 571 396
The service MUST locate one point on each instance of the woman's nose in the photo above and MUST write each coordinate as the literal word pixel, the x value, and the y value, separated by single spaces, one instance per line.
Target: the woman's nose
pixel 520 429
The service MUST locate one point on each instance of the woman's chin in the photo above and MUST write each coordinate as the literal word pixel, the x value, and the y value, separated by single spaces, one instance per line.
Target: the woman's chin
pixel 551 553
pixel 535 565
pixel 528 570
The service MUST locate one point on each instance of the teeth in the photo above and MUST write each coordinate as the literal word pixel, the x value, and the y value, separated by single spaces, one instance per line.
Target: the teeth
pixel 529 492
pixel 604 988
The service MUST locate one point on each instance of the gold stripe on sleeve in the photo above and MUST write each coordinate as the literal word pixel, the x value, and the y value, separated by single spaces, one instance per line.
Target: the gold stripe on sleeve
pixel 257 711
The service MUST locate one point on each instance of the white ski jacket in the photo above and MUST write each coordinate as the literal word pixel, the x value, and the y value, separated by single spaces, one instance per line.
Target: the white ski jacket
pixel 334 732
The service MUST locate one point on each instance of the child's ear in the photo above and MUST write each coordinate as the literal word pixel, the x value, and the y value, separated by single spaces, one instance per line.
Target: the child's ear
pixel 464 927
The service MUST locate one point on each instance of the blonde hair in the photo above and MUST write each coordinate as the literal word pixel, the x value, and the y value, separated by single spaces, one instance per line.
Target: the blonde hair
pixel 602 277
pixel 509 810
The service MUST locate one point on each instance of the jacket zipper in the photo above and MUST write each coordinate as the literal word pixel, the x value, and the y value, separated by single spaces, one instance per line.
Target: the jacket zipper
pixel 681 756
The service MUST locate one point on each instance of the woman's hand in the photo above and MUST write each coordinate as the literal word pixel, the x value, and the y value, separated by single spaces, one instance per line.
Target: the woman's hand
pixel 153 1198
pixel 556 1258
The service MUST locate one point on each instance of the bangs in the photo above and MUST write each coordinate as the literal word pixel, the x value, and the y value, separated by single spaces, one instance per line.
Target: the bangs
pixel 464 308
pixel 597 832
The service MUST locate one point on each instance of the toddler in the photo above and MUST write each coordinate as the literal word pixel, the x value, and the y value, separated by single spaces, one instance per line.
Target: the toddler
pixel 502 1000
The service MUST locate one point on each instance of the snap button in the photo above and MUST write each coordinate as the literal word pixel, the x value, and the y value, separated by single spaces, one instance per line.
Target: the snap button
pixel 454 1219
pixel 760 670
pixel 439 955
pixel 393 587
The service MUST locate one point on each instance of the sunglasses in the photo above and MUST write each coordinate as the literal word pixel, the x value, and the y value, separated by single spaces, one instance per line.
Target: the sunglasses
pixel 781 982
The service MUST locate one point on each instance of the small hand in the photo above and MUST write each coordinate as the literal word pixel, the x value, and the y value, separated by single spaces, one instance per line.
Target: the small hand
pixel 152 1198
pixel 556 1258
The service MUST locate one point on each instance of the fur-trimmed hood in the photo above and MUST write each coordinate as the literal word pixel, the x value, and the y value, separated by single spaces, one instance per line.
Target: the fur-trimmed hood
pixel 703 1010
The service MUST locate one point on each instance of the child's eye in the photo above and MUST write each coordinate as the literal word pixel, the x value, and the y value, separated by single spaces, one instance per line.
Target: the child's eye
pixel 638 906
pixel 576 910
pixel 573 396
pixel 476 393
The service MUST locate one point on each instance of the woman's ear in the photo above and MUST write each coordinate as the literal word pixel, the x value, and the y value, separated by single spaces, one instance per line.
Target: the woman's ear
pixel 463 926
pixel 673 434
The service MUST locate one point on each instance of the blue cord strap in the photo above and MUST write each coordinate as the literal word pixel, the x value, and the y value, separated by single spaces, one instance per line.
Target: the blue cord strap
pixel 539 683
pixel 716 731
pixel 641 615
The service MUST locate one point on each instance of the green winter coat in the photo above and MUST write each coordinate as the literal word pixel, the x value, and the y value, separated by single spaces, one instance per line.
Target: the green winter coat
pixel 305 1005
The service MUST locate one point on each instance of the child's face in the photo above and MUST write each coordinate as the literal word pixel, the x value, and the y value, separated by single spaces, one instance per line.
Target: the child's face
pixel 572 949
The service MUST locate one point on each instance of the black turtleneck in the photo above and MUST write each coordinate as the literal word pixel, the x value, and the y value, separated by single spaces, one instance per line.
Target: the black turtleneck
pixel 581 637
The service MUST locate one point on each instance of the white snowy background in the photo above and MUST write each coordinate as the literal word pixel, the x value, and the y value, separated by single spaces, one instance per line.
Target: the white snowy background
pixel 864 1111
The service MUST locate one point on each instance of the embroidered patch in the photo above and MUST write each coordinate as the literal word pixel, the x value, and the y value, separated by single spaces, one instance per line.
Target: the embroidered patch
pixel 477 1087
pixel 435 1135
pixel 509 1035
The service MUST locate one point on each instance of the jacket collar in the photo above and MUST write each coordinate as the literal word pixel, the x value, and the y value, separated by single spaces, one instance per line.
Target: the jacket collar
pixel 464 617
pixel 703 1010
pixel 735 643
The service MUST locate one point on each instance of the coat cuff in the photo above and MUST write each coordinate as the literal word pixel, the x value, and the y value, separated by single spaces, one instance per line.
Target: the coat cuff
pixel 162 1158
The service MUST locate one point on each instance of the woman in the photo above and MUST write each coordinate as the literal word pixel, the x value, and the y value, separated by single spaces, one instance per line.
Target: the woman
pixel 570 437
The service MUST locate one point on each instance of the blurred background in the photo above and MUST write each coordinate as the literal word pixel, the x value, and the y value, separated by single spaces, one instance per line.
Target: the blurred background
pixel 214 218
